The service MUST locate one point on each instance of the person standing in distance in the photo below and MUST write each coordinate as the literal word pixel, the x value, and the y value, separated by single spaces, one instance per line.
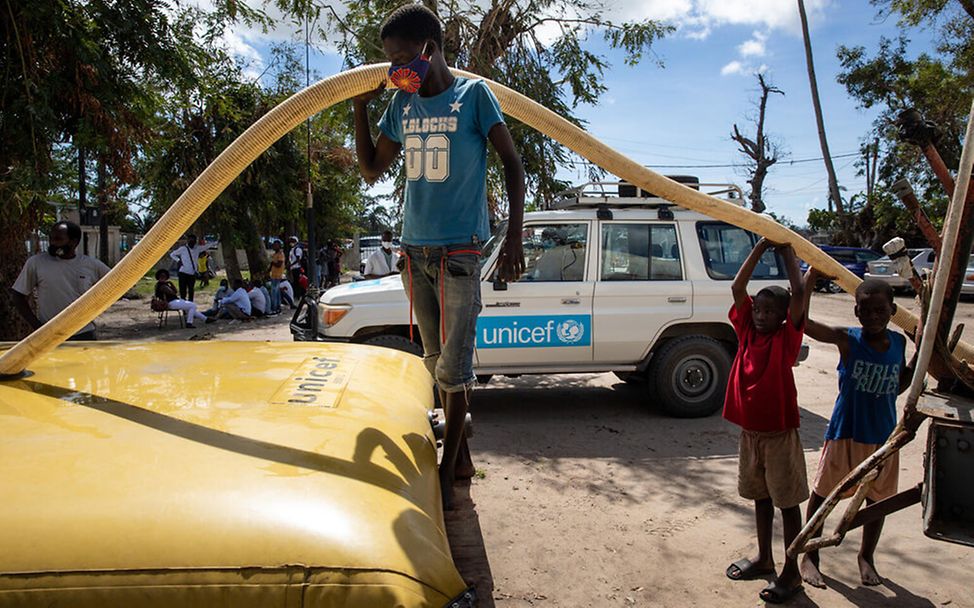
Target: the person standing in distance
pixel 186 257
pixel 58 276
pixel 442 125
pixel 294 258
pixel 382 262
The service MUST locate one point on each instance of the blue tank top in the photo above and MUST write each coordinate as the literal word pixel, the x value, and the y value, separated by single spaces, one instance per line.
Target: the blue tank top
pixel 869 381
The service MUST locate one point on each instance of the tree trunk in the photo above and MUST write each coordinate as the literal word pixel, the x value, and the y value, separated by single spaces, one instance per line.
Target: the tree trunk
pixel 102 213
pixel 230 258
pixel 819 119
pixel 13 254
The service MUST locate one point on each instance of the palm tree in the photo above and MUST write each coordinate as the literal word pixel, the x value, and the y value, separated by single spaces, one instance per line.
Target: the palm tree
pixel 833 182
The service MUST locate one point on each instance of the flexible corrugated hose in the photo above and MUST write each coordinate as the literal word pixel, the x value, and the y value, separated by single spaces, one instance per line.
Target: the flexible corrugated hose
pixel 340 87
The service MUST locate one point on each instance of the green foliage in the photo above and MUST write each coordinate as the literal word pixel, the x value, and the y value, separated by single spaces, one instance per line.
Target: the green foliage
pixel 80 72
pixel 822 220
pixel 939 85
pixel 268 198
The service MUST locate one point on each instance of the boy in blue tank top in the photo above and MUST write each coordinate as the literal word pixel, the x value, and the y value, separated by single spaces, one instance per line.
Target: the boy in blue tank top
pixel 872 372
pixel 442 125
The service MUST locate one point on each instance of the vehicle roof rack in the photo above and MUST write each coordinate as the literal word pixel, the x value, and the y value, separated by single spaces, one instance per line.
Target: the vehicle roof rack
pixel 620 194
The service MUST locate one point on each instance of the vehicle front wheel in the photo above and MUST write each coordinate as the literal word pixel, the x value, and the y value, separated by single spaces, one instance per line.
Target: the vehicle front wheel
pixel 396 343
pixel 833 287
pixel 688 376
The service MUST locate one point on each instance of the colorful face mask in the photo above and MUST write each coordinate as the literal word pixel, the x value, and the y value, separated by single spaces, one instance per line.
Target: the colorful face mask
pixel 409 77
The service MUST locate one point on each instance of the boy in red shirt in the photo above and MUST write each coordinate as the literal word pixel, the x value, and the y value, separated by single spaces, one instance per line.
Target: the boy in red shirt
pixel 763 401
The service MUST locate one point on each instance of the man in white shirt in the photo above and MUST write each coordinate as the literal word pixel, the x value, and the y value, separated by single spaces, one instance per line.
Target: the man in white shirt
pixel 237 304
pixel 58 276
pixel 258 304
pixel 294 264
pixel 186 256
pixel 382 262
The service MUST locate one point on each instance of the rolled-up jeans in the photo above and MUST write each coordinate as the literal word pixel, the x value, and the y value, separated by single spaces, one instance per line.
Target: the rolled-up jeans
pixel 443 284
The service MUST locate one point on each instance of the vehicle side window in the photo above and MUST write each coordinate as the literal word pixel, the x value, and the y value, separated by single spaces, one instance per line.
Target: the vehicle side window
pixel 640 252
pixel 845 257
pixel 555 252
pixel 725 248
pixel 867 256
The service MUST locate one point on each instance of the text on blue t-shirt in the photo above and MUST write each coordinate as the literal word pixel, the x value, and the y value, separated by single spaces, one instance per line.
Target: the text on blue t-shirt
pixel 444 143
pixel 869 381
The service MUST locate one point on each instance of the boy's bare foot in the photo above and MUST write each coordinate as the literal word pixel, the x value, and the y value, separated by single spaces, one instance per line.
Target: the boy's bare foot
pixel 867 570
pixel 810 572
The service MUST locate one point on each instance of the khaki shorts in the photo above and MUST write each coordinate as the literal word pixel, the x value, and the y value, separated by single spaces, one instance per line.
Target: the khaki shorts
pixel 840 456
pixel 772 465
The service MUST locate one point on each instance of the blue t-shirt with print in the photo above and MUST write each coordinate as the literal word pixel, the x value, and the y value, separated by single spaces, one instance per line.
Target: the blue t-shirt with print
pixel 869 381
pixel 444 144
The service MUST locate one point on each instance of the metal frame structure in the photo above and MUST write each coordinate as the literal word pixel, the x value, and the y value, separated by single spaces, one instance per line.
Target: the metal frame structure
pixel 951 412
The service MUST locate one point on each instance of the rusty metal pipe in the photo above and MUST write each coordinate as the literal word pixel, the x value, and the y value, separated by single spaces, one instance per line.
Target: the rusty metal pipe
pixel 904 191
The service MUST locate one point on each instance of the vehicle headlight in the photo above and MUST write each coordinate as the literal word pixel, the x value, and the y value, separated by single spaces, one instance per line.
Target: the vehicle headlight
pixel 330 314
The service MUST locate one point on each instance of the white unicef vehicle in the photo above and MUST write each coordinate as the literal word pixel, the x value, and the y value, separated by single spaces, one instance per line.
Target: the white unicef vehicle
pixel 616 280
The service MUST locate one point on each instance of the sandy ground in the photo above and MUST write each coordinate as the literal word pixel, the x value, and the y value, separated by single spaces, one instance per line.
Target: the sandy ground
pixel 588 496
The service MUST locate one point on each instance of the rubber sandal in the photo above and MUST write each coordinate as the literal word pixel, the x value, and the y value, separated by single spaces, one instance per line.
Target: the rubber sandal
pixel 776 594
pixel 745 570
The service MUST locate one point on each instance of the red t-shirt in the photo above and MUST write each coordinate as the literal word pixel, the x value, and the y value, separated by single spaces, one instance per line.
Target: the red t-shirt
pixel 761 393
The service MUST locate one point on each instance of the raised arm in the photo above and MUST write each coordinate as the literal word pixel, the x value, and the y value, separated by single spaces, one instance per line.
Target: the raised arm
pixel 511 263
pixel 374 158
pixel 797 304
pixel 739 286
pixel 819 331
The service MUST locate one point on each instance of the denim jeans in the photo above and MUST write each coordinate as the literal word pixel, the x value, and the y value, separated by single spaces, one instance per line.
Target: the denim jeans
pixel 443 283
pixel 275 295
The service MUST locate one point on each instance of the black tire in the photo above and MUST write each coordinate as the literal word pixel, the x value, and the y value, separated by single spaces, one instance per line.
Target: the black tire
pixel 688 376
pixel 396 343
pixel 833 287
pixel 635 378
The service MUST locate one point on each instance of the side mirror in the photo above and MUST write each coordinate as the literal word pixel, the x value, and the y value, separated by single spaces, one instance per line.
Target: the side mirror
pixel 500 285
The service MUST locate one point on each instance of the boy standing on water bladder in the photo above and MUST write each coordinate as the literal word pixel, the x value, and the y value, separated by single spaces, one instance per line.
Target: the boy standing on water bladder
pixel 442 123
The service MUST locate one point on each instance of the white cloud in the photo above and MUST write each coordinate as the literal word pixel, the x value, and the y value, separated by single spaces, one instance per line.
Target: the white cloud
pixel 755 47
pixel 696 18
pixel 734 67
pixel 252 64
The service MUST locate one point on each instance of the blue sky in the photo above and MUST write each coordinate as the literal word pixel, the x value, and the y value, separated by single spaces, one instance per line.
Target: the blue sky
pixel 682 113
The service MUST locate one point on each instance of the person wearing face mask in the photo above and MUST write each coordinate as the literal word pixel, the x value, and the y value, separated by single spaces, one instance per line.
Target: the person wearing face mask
pixel 57 277
pixel 382 262
pixel 184 260
pixel 442 124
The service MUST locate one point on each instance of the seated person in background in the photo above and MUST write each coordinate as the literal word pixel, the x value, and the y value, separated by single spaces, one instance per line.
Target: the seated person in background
pixel 258 304
pixel 558 262
pixel 167 292
pixel 262 286
pixel 221 292
pixel 237 304
pixel 287 293
pixel 382 262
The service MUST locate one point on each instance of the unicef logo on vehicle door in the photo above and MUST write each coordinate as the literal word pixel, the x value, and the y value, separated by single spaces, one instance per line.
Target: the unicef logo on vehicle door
pixel 570 331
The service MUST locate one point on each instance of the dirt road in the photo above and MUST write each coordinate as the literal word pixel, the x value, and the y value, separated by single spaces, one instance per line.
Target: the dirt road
pixel 589 496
